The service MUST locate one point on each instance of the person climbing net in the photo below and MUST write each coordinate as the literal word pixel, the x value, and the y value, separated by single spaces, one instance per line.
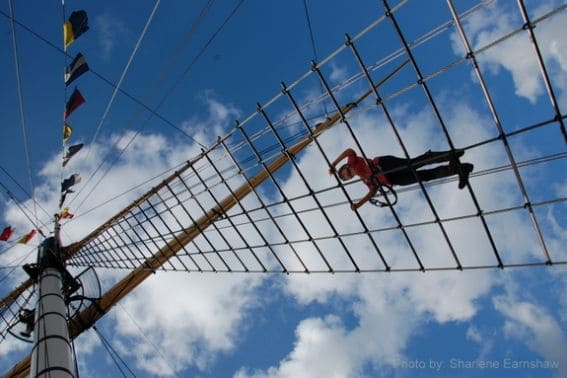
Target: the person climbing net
pixel 386 171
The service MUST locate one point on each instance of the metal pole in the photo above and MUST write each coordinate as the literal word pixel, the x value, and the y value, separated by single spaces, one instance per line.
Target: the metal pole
pixel 52 352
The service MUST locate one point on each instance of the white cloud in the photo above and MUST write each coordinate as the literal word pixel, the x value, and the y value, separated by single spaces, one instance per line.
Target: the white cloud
pixel 111 31
pixel 220 117
pixel 557 242
pixel 316 346
pixel 199 316
pixel 474 334
pixel 561 189
pixel 387 318
pixel 10 346
pixel 533 325
pixel 338 74
pixel 517 55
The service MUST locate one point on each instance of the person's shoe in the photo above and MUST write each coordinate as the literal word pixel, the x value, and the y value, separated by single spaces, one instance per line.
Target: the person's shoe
pixel 466 169
pixel 458 152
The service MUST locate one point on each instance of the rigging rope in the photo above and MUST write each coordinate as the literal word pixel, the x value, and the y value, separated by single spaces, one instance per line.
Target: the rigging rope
pixel 314 48
pixel 113 353
pixel 21 106
pixel 148 340
pixel 109 104
pixel 23 211
pixel 164 98
pixel 124 72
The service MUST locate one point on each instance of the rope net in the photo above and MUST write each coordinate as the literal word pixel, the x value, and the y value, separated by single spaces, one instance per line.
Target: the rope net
pixel 252 202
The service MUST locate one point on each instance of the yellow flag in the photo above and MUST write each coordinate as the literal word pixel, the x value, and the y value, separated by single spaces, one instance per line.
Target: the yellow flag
pixel 77 24
pixel 68 36
pixel 67 131
pixel 27 237
pixel 65 214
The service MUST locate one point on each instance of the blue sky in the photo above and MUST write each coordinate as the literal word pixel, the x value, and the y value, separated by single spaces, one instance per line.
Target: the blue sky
pixel 210 325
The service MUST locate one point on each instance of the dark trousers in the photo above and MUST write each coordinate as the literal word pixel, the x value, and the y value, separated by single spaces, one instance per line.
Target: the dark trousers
pixel 401 173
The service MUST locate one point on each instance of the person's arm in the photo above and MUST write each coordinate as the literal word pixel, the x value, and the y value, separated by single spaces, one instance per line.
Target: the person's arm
pixel 343 155
pixel 363 200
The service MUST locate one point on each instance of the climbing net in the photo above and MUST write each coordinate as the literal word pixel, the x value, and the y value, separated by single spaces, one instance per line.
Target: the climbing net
pixel 252 201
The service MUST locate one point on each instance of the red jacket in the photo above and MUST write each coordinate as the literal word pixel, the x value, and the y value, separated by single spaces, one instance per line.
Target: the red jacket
pixel 363 169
